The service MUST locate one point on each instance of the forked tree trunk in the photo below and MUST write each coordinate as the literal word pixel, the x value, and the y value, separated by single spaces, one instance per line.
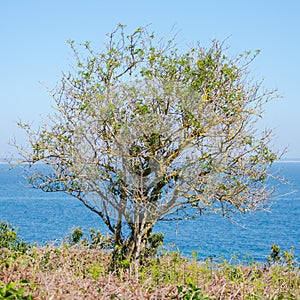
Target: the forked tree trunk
pixel 128 254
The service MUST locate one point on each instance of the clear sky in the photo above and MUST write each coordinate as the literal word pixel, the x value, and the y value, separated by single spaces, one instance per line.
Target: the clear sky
pixel 34 48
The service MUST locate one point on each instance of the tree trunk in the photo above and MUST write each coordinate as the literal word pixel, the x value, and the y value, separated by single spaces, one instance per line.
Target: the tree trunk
pixel 140 244
pixel 128 254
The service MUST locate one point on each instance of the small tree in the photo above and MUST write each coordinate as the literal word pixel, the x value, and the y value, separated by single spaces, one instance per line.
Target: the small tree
pixel 145 132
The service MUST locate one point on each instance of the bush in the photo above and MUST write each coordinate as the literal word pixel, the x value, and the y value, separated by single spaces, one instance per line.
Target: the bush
pixel 96 240
pixel 11 291
pixel 9 239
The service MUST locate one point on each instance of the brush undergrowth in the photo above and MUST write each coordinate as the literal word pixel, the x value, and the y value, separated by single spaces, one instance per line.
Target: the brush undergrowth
pixel 78 269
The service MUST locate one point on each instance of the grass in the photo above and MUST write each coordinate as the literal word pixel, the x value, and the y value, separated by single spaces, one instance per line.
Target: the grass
pixel 74 271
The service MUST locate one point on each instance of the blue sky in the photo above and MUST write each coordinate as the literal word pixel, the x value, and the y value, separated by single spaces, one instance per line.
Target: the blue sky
pixel 34 49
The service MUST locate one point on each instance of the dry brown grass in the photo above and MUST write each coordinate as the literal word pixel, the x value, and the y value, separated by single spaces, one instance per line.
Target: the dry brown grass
pixel 71 273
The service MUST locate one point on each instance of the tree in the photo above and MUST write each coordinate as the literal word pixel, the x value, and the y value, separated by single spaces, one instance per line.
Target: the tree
pixel 145 132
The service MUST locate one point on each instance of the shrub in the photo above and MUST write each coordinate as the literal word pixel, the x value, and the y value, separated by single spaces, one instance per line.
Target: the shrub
pixel 9 239
pixel 11 290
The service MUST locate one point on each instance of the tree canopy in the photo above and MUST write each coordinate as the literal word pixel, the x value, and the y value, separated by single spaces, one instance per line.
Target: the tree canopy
pixel 145 131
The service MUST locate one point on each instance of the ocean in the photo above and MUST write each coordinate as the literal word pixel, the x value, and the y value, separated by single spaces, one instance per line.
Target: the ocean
pixel 49 217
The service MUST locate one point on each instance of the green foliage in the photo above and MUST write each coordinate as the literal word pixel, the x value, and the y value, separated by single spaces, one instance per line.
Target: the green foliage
pixel 277 257
pixel 191 292
pixel 95 240
pixel 119 261
pixel 14 291
pixel 172 272
pixel 155 240
pixel 9 239
pixel 98 240
pixel 75 237
pixel 96 270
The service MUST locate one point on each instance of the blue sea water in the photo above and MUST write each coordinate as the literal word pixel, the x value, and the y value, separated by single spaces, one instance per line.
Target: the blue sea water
pixel 48 217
